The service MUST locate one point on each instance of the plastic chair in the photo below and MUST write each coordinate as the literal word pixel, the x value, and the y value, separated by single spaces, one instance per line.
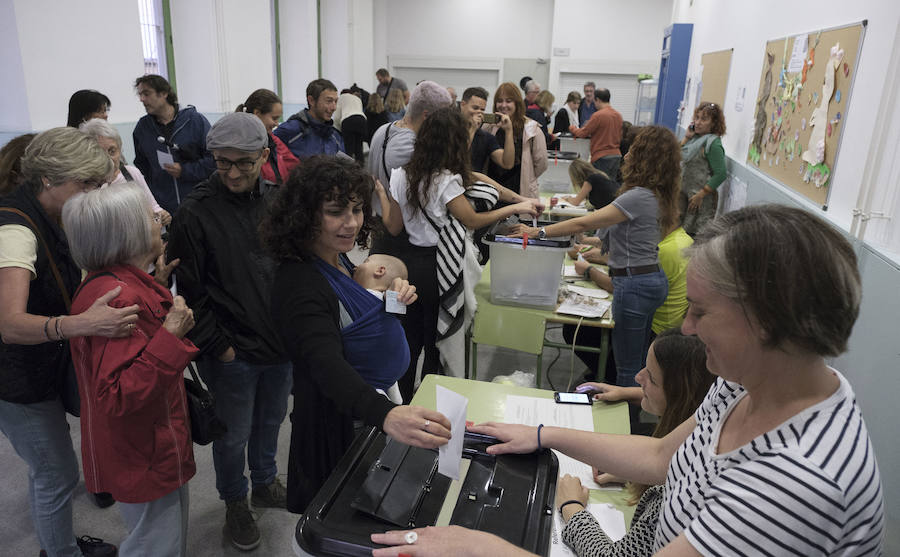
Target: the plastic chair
pixel 516 329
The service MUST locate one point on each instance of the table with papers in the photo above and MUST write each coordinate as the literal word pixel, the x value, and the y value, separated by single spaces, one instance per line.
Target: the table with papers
pixel 509 403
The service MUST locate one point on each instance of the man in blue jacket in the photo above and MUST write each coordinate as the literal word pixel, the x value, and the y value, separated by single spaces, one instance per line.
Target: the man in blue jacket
pixel 169 143
pixel 310 131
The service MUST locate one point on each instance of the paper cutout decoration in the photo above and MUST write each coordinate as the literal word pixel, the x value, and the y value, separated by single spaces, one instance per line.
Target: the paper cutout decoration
pixel 837 96
pixel 803 124
pixel 759 127
pixel 846 69
pixel 818 171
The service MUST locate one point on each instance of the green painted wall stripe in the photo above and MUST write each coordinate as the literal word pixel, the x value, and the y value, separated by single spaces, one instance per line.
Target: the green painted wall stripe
pixel 170 47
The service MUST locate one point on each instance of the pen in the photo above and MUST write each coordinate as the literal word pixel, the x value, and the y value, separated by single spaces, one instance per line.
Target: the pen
pixel 585 249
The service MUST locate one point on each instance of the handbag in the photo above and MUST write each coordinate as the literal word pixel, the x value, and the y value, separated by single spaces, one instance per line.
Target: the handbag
pixel 206 427
pixel 68 381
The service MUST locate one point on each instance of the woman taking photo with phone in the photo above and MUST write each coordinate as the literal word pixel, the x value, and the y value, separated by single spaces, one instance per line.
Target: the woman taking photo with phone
pixel 529 141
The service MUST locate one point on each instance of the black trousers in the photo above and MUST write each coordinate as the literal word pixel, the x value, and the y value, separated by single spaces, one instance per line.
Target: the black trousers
pixel 354 130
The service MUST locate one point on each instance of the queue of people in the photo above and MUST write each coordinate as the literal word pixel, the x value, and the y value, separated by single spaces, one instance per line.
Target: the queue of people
pixel 754 423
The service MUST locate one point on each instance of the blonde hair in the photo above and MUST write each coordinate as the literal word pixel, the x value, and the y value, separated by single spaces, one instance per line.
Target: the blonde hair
pixel 579 171
pixel 394 102
pixel 61 154
pixel 545 100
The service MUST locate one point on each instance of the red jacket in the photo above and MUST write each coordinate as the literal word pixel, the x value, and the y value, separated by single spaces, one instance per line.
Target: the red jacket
pixel 135 433
pixel 283 157
pixel 605 130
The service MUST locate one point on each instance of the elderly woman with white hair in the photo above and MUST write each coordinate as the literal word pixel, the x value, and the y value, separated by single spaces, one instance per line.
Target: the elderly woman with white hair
pixel 135 434
pixel 111 142
pixel 37 280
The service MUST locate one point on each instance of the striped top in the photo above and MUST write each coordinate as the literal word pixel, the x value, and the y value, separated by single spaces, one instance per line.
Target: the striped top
pixel 811 486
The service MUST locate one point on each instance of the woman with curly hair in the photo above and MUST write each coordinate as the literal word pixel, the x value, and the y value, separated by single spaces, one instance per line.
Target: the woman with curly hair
pixel 645 207
pixel 429 193
pixel 342 343
pixel 528 138
pixel 704 166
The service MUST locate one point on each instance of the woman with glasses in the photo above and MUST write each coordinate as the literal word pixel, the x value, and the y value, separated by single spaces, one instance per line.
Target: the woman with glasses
pixel 702 167
pixel 135 435
pixel 38 278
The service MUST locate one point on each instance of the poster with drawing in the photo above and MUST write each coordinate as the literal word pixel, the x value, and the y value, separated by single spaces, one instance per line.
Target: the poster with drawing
pixel 801 107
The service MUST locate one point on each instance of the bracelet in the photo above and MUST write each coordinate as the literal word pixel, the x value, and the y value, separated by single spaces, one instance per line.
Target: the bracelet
pixel 569 502
pixel 47 333
pixel 587 274
pixel 59 333
pixel 540 427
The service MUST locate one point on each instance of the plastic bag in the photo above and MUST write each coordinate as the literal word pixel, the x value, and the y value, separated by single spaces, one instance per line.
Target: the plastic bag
pixel 517 378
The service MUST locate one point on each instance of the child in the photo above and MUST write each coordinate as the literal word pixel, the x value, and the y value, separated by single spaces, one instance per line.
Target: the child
pixel 378 272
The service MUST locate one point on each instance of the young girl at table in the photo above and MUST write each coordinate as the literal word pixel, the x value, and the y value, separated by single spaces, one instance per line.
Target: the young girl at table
pixel 588 183
pixel 647 205
pixel 672 387
pixel 434 199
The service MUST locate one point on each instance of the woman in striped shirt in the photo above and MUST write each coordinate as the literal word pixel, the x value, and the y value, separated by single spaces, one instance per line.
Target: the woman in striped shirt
pixel 777 459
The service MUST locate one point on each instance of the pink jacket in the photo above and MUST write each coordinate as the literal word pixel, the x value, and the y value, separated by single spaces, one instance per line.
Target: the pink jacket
pixel 534 156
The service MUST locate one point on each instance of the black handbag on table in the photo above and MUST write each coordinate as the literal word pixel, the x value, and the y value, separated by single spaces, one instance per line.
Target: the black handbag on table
pixel 205 426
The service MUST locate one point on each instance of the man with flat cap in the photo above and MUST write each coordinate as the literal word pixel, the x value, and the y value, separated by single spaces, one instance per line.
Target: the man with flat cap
pixel 226 278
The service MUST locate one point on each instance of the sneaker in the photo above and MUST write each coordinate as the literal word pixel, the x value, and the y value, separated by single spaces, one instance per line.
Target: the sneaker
pixel 95 547
pixel 103 499
pixel 240 526
pixel 273 495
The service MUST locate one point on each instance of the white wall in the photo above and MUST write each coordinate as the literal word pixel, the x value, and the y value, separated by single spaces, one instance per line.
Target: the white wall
pixel 747 27
pixel 223 51
pixel 15 115
pixel 299 56
pixel 67 46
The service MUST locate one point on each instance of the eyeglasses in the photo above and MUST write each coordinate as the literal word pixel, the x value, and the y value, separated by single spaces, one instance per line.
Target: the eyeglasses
pixel 243 165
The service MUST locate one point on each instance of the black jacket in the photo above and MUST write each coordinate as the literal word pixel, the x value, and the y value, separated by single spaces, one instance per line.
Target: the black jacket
pixel 224 274
pixel 328 392
pixel 33 373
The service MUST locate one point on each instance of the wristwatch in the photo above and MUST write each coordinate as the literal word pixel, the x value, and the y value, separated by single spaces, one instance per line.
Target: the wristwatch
pixel 542 233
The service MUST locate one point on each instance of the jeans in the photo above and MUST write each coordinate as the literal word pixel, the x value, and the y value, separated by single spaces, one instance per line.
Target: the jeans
pixel 252 401
pixel 40 435
pixel 157 528
pixel 610 165
pixel 635 300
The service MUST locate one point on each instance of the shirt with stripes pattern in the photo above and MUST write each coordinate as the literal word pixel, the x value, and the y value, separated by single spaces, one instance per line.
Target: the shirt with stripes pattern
pixel 810 486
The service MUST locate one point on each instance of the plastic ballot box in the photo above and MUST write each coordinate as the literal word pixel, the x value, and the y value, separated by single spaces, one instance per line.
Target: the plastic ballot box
pixel 381 484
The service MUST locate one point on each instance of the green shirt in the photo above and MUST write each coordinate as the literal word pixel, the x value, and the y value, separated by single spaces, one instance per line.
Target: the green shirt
pixel 674 264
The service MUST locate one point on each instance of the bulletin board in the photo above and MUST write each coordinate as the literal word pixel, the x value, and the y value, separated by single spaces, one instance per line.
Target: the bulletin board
pixel 714 78
pixel 801 107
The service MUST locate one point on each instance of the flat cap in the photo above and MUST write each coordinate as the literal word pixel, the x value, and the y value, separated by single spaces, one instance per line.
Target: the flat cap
pixel 238 130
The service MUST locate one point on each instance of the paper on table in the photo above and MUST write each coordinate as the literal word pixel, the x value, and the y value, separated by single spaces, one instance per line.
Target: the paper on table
pixel 533 411
pixel 569 271
pixel 164 158
pixel 610 519
pixel 582 471
pixel 453 406
pixel 590 292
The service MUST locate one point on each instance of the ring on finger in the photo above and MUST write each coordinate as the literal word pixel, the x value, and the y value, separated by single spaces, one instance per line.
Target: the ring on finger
pixel 427 423
pixel 410 537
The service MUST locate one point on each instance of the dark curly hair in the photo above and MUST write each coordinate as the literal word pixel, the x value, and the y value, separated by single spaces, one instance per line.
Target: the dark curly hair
pixel 295 216
pixel 442 143
pixel 716 116
pixel 654 162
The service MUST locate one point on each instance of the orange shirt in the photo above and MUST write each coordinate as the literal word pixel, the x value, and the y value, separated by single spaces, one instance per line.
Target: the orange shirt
pixel 605 130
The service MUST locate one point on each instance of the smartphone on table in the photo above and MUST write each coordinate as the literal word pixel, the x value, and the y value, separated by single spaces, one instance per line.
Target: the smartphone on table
pixel 572 398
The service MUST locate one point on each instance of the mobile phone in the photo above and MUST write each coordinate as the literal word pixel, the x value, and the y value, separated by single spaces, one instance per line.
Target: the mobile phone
pixel 691 127
pixel 490 118
pixel 572 398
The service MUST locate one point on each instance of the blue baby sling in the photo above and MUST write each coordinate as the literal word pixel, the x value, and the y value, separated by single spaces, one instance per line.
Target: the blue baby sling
pixel 374 343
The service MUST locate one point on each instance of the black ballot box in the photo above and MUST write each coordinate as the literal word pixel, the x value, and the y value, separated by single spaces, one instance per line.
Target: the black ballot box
pixel 381 484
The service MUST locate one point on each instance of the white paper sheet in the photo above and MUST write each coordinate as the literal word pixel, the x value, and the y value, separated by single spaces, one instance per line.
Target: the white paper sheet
pixel 164 158
pixel 610 519
pixel 590 292
pixel 798 54
pixel 453 406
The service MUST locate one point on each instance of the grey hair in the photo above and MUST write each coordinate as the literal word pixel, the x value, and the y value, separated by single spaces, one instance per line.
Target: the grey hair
pixel 98 127
pixel 428 97
pixel 591 83
pixel 61 154
pixel 531 85
pixel 789 270
pixel 108 226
